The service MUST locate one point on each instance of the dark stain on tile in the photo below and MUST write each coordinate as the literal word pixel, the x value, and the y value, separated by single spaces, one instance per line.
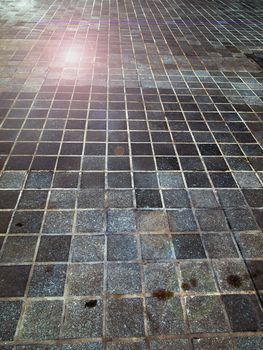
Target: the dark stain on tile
pixel 234 281
pixel 91 303
pixel 119 151
pixel 162 294
pixel 188 285
pixel 49 269
pixel 19 224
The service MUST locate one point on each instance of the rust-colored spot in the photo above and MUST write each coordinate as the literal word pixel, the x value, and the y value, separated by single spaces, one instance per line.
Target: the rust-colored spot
pixel 19 224
pixel 117 296
pixel 48 268
pixel 185 286
pixel 119 151
pixel 234 281
pixel 91 303
pixel 162 294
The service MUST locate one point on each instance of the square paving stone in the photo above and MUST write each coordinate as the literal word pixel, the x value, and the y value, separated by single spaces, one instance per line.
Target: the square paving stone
pixel 66 180
pixel 186 149
pixel 258 214
pixel 252 150
pixel 19 249
pixel 143 163
pixel 36 347
pixel 122 247
pixel 211 220
pixel 215 163
pixel 231 198
pixel 209 149
pixel 145 180
pixel 82 320
pixel 197 277
pixel 42 320
pixel 254 197
pixel 197 180
pixel 250 245
pixel 255 268
pixel 232 275
pixel 58 222
pixel 191 164
pixel 171 180
pixel 48 281
pixel 219 245
pixel 85 279
pixel 62 199
pixel 176 199
pixel 188 246
pixel 82 346
pixel 119 163
pixel 53 248
pixel 167 163
pixel 120 221
pixel 120 199
pixel 163 149
pixel 170 344
pixel 148 199
pixel 244 312
pixel 5 217
pixel 118 320
pixel 87 248
pixel 238 164
pixel 205 314
pixel 31 199
pixel 117 281
pixel 93 163
pixel 26 222
pixel 136 345
pixel 91 198
pixel 247 343
pixel 43 163
pixel 12 179
pixel 260 175
pixel 93 180
pixel 213 343
pixel 165 316
pixel 151 220
pixel 181 220
pixel 68 163
pixel 91 221
pixel 156 247
pixel 9 316
pixel 161 276
pixel 223 180
pixel 241 220
pixel 8 199
pixel 247 180
pixel 39 180
pixel 203 199
pixel 13 280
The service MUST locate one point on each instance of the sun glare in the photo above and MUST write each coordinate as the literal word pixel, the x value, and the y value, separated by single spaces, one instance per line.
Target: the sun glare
pixel 72 57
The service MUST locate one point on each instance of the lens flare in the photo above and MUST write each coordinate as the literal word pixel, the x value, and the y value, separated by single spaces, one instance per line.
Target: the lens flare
pixel 72 57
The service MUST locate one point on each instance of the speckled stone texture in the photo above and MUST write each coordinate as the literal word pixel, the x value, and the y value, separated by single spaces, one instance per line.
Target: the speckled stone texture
pixel 131 174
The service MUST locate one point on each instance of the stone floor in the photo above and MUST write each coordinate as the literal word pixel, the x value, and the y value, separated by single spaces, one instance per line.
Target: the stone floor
pixel 131 175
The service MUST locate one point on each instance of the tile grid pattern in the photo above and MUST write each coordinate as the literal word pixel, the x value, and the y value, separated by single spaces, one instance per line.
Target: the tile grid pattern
pixel 131 180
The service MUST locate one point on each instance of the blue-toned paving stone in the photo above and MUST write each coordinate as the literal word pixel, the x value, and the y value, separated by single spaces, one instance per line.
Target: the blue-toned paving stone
pixel 120 221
